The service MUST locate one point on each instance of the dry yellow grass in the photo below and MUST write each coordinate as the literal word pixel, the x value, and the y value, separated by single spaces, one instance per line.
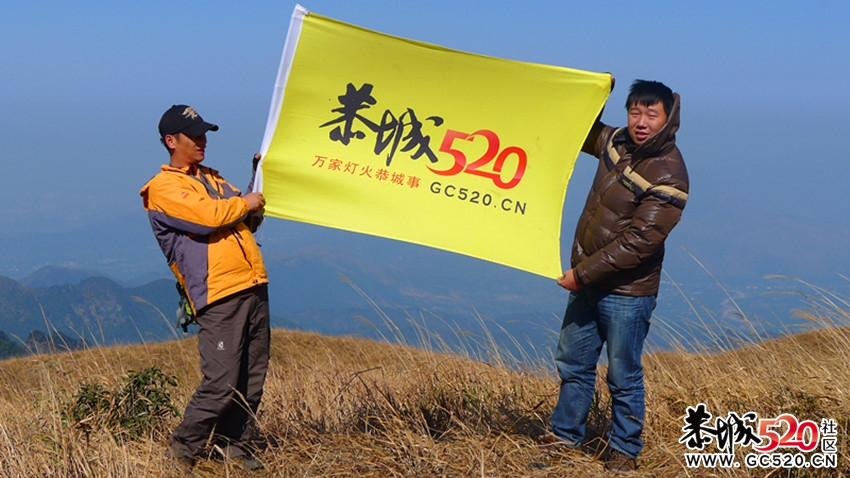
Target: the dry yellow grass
pixel 350 407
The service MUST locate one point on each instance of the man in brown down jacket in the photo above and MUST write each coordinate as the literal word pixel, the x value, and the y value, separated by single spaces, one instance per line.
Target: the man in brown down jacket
pixel 637 197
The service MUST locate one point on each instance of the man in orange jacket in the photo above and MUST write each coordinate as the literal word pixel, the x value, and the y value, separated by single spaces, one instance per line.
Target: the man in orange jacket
pixel 204 227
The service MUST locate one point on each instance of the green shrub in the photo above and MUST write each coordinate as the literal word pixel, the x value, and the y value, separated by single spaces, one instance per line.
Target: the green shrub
pixel 142 406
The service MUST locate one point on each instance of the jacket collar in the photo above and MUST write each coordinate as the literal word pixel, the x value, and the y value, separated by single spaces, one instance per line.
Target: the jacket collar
pixel 190 170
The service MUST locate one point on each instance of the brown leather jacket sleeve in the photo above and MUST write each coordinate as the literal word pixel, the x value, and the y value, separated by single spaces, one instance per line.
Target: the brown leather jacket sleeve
pixel 631 261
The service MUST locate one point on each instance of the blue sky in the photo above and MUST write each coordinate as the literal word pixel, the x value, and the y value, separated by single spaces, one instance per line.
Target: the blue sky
pixel 764 92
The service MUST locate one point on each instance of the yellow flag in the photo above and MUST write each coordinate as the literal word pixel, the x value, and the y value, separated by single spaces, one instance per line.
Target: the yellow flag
pixel 411 141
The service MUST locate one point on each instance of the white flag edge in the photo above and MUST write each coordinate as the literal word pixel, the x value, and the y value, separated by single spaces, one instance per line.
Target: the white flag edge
pixel 287 56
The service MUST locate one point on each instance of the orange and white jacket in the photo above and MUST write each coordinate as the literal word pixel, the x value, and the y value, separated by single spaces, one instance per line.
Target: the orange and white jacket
pixel 202 225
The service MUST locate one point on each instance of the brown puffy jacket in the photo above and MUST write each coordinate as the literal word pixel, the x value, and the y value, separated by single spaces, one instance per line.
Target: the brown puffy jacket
pixel 636 199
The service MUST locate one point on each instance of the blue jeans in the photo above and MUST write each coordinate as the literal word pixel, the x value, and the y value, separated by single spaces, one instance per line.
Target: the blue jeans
pixel 593 318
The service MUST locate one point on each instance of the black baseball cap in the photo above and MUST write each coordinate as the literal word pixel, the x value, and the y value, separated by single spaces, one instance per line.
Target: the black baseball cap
pixel 183 119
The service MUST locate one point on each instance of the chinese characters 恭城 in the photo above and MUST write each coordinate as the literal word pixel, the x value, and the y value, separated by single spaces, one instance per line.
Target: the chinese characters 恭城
pixel 399 133
pixel 728 432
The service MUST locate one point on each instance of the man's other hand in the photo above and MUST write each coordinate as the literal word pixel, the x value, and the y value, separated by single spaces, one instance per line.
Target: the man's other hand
pixel 256 201
pixel 568 281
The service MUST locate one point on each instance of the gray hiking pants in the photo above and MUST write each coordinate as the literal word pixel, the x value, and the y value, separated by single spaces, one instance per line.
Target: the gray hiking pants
pixel 233 341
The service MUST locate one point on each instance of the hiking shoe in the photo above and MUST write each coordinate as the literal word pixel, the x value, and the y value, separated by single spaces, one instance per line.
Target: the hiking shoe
pixel 615 460
pixel 176 452
pixel 250 463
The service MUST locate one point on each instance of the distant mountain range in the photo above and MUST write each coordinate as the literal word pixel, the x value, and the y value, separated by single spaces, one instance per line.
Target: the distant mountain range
pixel 114 287
pixel 323 289
pixel 416 300
pixel 95 310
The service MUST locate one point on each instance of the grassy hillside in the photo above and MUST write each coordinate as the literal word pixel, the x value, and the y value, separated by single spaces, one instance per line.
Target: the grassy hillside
pixel 350 407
